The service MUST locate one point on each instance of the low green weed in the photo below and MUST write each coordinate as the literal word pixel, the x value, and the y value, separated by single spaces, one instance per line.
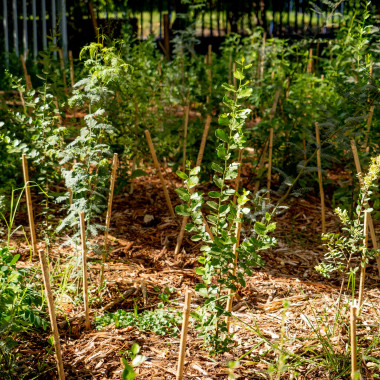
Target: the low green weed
pixel 160 321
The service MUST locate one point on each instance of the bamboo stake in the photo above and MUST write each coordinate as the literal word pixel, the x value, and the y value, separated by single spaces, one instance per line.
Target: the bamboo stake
pixel 233 75
pixel 93 18
pixel 229 69
pixel 310 62
pixel 209 74
pixel 198 163
pixel 369 123
pixel 26 76
pixel 269 175
pixel 108 216
pixel 157 165
pixel 363 266
pixel 185 325
pixel 45 273
pixel 370 221
pixel 262 160
pixel 263 56
pixel 321 192
pixel 353 341
pixel 71 68
pixel 29 204
pixel 60 52
pixel 237 179
pixel 236 254
pixel 84 269
pixel 186 122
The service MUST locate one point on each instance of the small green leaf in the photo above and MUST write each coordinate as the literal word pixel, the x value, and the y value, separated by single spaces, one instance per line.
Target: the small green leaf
pixel 214 194
pixel 192 181
pixel 238 74
pixel 182 174
pixel 220 134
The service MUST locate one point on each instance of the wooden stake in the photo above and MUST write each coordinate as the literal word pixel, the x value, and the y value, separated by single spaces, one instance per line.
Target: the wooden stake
pixel 108 216
pixel 209 74
pixel 321 192
pixel 26 76
pixel 185 325
pixel 93 18
pixel 186 122
pixel 370 221
pixel 84 269
pixel 237 179
pixel 60 52
pixel 229 69
pixel 369 123
pixel 236 254
pixel 157 165
pixel 269 175
pixel 263 56
pixel 71 68
pixel 310 62
pixel 167 36
pixel 233 74
pixel 353 341
pixel 29 204
pixel 363 264
pixel 198 163
pixel 45 273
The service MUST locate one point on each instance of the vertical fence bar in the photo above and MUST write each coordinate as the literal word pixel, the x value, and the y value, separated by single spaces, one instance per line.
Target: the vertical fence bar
pixel 6 37
pixel 35 46
pixel 54 25
pixel 15 27
pixel 25 29
pixel 64 30
pixel 43 16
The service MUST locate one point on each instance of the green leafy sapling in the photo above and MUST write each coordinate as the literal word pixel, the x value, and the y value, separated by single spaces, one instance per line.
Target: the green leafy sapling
pixel 220 275
pixel 343 248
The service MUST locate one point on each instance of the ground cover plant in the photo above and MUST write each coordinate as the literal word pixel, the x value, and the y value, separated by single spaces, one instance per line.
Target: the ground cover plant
pixel 254 146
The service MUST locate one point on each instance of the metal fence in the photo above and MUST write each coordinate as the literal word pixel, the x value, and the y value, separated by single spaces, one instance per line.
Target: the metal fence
pixel 28 25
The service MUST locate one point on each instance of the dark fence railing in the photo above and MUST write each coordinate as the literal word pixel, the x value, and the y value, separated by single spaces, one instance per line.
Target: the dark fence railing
pixel 27 25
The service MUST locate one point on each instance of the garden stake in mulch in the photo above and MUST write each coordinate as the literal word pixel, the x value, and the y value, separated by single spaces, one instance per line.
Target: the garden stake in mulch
pixel 108 216
pixel 186 122
pixel 157 165
pixel 271 116
pixel 26 76
pixel 29 204
pixel 353 341
pixel 363 262
pixel 198 163
pixel 60 52
pixel 370 221
pixel 369 123
pixel 84 268
pixel 45 274
pixel 71 68
pixel 182 346
pixel 319 165
pixel 236 254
